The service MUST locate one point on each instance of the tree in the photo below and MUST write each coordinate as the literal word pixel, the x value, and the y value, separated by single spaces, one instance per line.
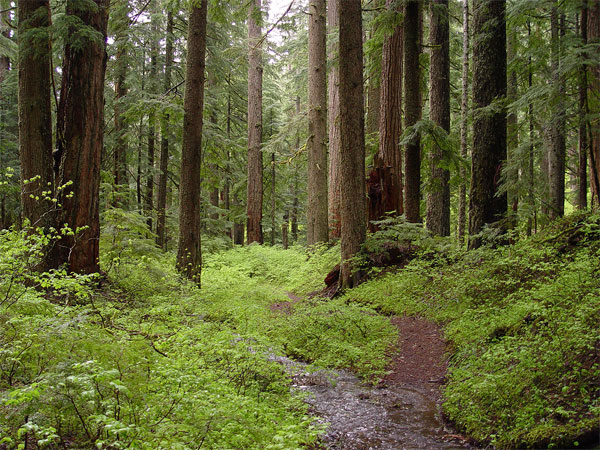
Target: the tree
pixel 464 131
pixel 486 205
pixel 352 161
pixel 80 129
pixel 255 157
pixel 35 115
pixel 189 253
pixel 121 23
pixel 316 222
pixel 557 151
pixel 334 125
pixel 161 229
pixel 149 197
pixel 412 108
pixel 438 199
pixel 582 130
pixel 385 181
pixel 594 90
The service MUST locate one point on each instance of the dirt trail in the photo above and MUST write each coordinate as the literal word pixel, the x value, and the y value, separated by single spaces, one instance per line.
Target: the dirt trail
pixel 402 412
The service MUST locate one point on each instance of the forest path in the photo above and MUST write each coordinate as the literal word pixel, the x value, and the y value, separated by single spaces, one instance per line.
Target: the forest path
pixel 402 412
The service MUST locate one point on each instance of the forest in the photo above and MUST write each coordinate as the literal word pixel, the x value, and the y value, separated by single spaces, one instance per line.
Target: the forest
pixel 299 224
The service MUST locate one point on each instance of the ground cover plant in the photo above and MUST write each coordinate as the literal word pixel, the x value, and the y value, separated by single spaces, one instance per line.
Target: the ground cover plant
pixel 522 323
pixel 142 359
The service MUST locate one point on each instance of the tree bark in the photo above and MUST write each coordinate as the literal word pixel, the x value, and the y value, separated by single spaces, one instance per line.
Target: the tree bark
pixel 35 114
pixel 316 217
pixel 594 109
pixel 385 180
pixel 152 87
pixel 189 252
pixel 412 111
pixel 161 229
pixel 438 199
pixel 582 184
pixel 464 130
pixel 334 125
pixel 512 134
pixel 80 125
pixel 120 151
pixel 486 207
pixel 352 161
pixel 254 196
pixel 532 220
pixel 557 153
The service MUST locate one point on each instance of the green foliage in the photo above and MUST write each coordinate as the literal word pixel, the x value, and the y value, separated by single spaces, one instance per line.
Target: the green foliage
pixel 522 322
pixel 146 360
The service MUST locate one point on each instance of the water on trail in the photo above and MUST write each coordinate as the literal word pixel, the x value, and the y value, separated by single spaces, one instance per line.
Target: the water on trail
pixel 364 417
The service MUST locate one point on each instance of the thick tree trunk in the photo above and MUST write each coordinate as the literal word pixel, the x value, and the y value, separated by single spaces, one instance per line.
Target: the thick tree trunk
pixel 273 200
pixel 352 161
pixel 594 109
pixel 374 81
pixel 412 110
pixel 486 206
pixel 189 252
pixel 438 199
pixel 582 183
pixel 334 125
pixel 385 181
pixel 557 153
pixel 35 116
pixel 161 229
pixel 254 196
pixel 316 217
pixel 80 125
pixel 464 130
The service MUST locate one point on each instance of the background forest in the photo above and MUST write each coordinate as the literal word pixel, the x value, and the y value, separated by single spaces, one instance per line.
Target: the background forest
pixel 170 169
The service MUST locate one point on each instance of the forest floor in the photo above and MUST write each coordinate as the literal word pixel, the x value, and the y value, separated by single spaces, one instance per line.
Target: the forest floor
pixel 402 411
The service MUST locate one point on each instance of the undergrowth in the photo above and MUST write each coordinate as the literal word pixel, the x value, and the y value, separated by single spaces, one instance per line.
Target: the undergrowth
pixel 522 321
pixel 144 360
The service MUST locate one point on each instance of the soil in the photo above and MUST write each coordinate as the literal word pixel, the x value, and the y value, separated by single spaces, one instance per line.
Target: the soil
pixel 420 359
pixel 402 412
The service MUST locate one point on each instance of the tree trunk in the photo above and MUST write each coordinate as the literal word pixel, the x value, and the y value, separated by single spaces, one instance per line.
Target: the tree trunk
pixel 80 129
pixel 161 229
pixel 532 220
pixel 316 217
pixel 557 153
pixel 295 208
pixel 412 111
pixel 352 161
pixel 464 130
pixel 149 200
pixel 120 152
pixel 374 81
pixel 334 126
pixel 385 181
pixel 582 132
pixel 486 206
pixel 438 199
pixel 35 116
pixel 255 157
pixel 512 135
pixel 594 109
pixel 189 252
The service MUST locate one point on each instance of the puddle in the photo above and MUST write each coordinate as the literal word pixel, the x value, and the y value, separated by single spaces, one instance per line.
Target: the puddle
pixel 363 417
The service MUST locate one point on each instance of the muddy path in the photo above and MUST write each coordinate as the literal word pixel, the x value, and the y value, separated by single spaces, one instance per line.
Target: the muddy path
pixel 402 412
